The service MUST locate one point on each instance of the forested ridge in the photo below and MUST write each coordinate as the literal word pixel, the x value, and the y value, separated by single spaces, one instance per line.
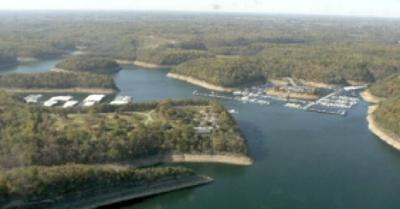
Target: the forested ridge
pixel 89 63
pixel 56 80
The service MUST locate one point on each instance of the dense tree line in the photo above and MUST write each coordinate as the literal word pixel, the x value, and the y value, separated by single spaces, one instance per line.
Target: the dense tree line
pixel 87 63
pixel 56 80
pixel 40 182
pixel 223 71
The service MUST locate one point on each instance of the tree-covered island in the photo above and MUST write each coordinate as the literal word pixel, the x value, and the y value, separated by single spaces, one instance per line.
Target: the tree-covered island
pixel 89 63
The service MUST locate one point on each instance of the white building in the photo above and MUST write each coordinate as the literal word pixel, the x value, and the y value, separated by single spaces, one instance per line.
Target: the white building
pixel 34 98
pixel 93 99
pixel 61 98
pixel 50 103
pixel 70 104
pixel 121 100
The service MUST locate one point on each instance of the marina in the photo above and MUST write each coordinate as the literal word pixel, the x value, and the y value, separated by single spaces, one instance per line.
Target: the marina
pixel 337 102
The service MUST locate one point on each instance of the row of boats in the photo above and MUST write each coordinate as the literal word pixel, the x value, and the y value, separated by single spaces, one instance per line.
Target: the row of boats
pixel 335 103
pixel 69 101
pixel 249 98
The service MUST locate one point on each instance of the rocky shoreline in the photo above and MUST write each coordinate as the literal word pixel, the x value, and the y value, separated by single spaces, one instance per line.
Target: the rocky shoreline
pixel 200 83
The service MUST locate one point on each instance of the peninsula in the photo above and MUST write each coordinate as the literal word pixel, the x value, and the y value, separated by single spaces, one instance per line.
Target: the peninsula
pixel 113 144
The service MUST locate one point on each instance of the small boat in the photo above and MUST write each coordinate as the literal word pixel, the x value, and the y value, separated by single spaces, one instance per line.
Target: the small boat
pixel 233 111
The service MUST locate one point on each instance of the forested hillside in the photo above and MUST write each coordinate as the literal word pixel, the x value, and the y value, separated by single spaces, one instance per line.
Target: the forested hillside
pixel 88 63
pixel 228 72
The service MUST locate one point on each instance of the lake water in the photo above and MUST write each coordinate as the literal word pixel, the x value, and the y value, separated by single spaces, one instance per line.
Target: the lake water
pixel 303 160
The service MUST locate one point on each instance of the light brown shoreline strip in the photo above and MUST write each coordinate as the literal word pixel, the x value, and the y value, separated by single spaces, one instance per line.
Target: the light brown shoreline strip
pixel 370 98
pixel 200 83
pixel 193 158
pixel 142 64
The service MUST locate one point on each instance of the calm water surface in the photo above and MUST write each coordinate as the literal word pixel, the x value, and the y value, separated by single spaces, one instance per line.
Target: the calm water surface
pixel 303 160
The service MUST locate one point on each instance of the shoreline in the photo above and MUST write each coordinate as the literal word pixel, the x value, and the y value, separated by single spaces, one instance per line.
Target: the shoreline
pixel 223 159
pixel 200 83
pixel 382 134
pixel 193 158
pixel 142 64
pixel 70 90
pixel 370 98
